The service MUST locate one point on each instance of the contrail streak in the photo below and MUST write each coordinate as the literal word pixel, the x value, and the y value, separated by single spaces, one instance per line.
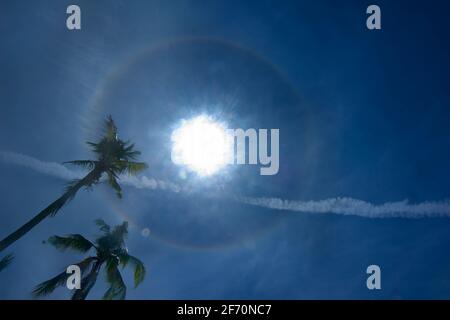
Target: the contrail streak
pixel 342 206
pixel 49 168
pixel 355 207
pixel 60 171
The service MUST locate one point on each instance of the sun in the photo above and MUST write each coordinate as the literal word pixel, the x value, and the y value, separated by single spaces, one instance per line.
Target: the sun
pixel 202 144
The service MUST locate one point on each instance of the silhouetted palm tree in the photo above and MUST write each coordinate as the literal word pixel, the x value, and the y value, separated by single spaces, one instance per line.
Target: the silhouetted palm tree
pixel 110 251
pixel 5 261
pixel 114 157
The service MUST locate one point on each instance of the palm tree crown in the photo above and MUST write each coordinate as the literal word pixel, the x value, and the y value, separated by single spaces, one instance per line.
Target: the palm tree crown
pixel 113 158
pixel 110 252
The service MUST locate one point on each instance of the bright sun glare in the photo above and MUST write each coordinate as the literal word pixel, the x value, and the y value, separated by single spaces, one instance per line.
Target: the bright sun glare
pixel 202 145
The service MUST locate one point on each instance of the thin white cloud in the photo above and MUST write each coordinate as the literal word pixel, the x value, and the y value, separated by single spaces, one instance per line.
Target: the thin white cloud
pixel 355 207
pixel 49 168
pixel 144 182
pixel 342 206
pixel 60 171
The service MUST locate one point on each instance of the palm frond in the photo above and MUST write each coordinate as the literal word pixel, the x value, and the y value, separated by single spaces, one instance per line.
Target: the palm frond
pixel 120 232
pixel 86 164
pixel 47 287
pixel 94 146
pixel 103 226
pixel 110 128
pixel 130 167
pixel 117 287
pixel 113 241
pixel 124 258
pixel 74 185
pixel 86 284
pixel 129 152
pixel 6 261
pixel 112 181
pixel 139 268
pixel 74 241
pixel 139 271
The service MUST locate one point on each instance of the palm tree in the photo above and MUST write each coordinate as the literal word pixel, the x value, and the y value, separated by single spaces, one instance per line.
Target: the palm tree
pixel 5 261
pixel 113 157
pixel 110 251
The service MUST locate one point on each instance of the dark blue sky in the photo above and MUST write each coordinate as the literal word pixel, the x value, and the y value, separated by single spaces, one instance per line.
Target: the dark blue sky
pixel 362 114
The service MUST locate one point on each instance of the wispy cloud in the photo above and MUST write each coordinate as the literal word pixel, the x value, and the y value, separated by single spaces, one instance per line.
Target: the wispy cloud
pixel 355 207
pixel 342 206
pixel 60 171
pixel 49 168
pixel 143 182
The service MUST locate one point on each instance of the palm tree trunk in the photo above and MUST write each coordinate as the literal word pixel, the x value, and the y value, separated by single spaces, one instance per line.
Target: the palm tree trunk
pixel 88 282
pixel 52 209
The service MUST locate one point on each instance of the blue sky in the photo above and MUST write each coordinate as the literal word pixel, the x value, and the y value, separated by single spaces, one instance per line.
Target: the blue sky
pixel 362 114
